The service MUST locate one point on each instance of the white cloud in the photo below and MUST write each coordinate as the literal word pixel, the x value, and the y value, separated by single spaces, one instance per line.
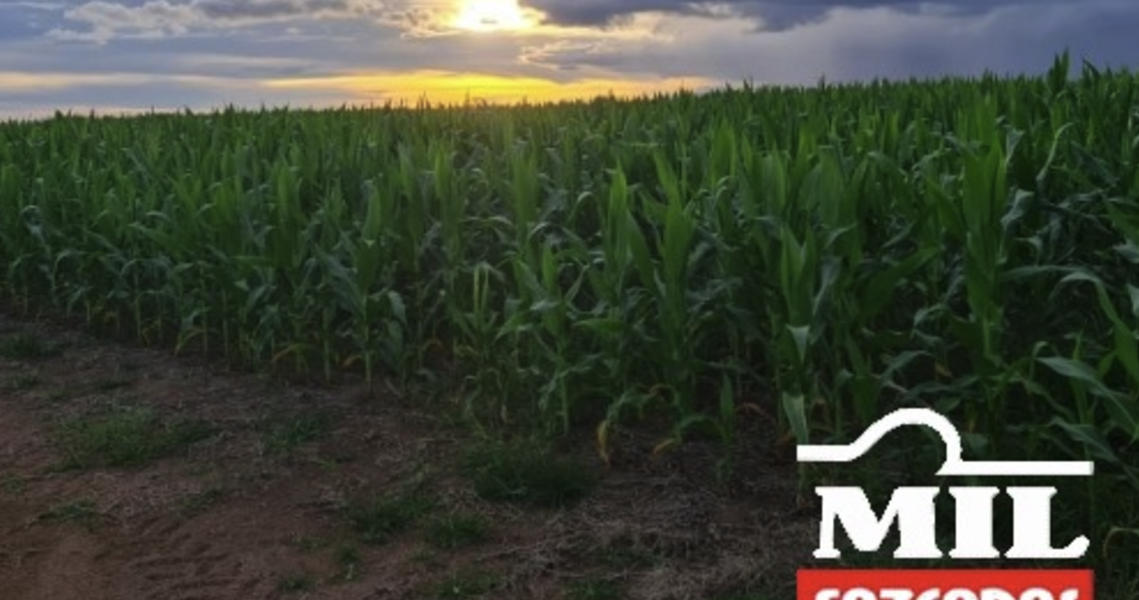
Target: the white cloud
pixel 157 18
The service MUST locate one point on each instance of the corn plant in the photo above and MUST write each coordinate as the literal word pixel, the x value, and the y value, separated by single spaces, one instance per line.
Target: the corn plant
pixel 827 253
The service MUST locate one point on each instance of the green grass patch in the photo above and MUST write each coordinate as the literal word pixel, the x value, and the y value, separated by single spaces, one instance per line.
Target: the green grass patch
pixel 58 396
pixel 21 382
pixel 467 585
pixel 13 484
pixel 110 384
pixel 25 346
pixel 429 558
pixel 199 502
pixel 282 438
pixel 527 473
pixel 295 583
pixel 308 543
pixel 378 520
pixel 457 531
pixel 83 512
pixel 594 588
pixel 124 435
pixel 348 559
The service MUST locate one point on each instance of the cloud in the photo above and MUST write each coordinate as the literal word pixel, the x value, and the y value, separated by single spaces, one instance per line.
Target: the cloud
pixel 20 83
pixel 155 19
pixel 30 93
pixel 599 12
pixel 34 5
pixel 570 55
pixel 243 67
pixel 101 21
pixel 775 14
pixel 417 21
pixel 265 10
pixel 847 44
pixel 106 20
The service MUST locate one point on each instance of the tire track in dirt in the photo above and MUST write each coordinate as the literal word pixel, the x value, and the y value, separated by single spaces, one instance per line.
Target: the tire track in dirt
pixel 69 566
pixel 168 557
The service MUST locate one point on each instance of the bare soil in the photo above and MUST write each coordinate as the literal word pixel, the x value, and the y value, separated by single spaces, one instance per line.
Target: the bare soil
pixel 226 519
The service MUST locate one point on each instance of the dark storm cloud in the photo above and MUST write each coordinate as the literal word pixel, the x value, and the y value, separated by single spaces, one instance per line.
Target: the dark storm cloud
pixel 847 44
pixel 266 9
pixel 103 20
pixel 774 13
pixel 275 9
pixel 600 12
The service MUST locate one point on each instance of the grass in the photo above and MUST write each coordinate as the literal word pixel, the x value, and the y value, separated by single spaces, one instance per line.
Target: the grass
pixel 21 382
pixel 281 438
pixel 379 519
pixel 1114 549
pixel 429 558
pixel 110 384
pixel 466 585
pixel 124 435
pixel 25 346
pixel 594 589
pixel 455 531
pixel 348 560
pixel 527 473
pixel 83 512
pixel 308 543
pixel 13 484
pixel 58 396
pixel 295 583
pixel 199 502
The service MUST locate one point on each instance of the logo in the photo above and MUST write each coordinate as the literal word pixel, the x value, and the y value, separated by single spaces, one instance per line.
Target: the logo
pixel 913 510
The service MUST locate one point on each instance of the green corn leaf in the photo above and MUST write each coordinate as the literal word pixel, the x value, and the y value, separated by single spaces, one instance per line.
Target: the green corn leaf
pixel 795 408
pixel 801 336
pixel 1124 411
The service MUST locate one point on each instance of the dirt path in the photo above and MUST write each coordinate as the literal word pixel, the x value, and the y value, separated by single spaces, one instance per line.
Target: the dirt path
pixel 255 506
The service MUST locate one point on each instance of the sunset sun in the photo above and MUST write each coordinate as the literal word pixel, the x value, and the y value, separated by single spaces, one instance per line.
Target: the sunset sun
pixel 492 15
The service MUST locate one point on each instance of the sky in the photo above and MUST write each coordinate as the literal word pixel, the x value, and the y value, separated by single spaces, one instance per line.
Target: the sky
pixel 121 56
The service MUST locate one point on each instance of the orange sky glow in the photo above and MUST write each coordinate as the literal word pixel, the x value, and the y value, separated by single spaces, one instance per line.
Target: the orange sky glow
pixel 449 88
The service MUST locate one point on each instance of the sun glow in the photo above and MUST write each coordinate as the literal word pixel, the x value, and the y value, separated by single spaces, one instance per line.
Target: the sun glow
pixel 492 15
pixel 456 88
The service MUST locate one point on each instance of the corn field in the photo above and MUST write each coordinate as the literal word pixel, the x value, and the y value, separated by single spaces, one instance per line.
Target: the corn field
pixel 821 254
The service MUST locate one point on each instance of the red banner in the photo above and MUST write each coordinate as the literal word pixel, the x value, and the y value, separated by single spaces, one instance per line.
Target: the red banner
pixel 947 584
